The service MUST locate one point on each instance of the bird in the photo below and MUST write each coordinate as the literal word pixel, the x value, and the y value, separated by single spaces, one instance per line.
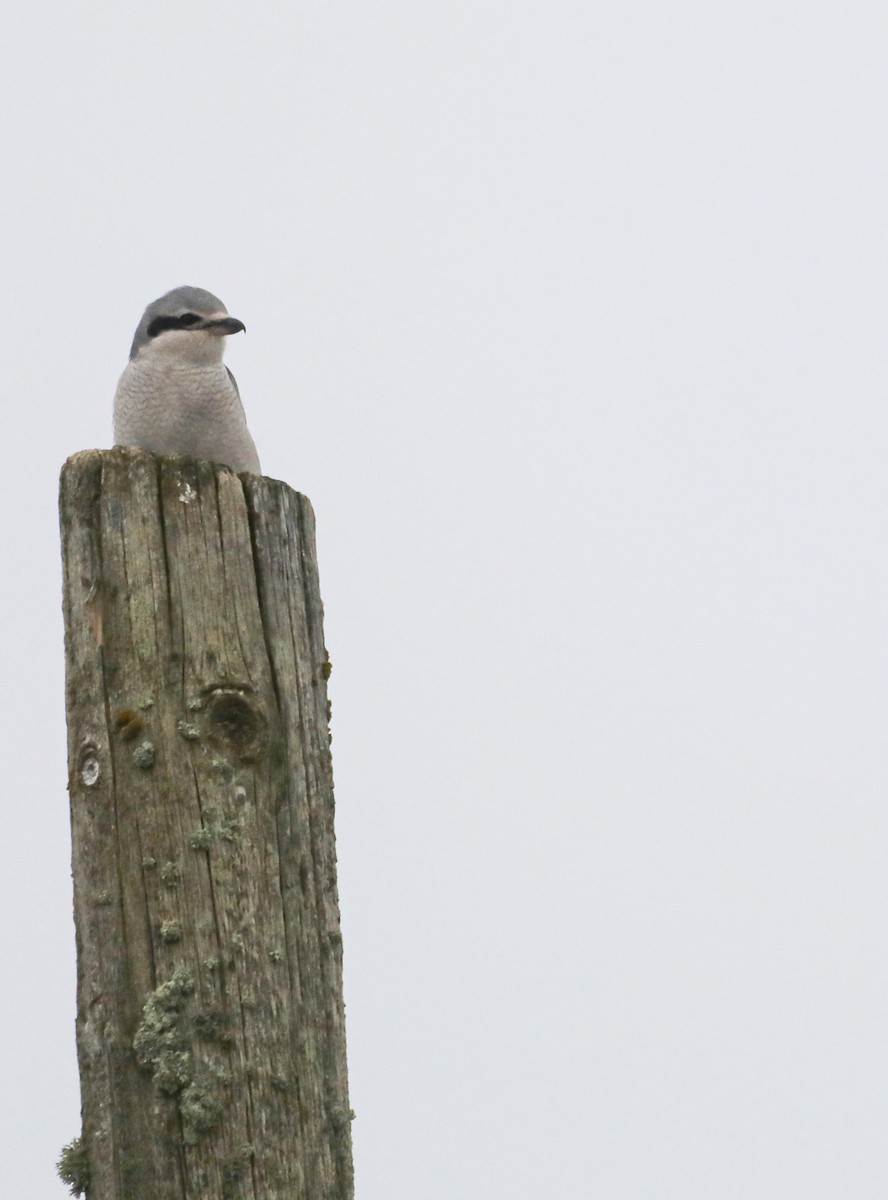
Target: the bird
pixel 176 396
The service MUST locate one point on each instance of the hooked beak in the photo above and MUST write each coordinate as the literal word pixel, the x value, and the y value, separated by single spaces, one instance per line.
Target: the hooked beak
pixel 221 326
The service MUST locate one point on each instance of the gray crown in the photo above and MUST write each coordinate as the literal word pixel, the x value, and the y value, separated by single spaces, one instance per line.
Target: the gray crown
pixel 173 304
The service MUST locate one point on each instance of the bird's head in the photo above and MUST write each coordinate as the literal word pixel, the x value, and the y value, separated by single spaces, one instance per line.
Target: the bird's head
pixel 187 323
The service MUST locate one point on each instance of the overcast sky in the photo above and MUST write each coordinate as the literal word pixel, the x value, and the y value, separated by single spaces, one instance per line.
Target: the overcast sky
pixel 570 320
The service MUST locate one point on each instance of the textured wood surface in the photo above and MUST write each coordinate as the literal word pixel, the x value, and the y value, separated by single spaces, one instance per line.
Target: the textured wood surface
pixel 210 1022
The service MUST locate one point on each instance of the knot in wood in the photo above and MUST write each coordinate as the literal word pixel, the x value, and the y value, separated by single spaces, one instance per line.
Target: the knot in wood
pixel 236 721
pixel 90 769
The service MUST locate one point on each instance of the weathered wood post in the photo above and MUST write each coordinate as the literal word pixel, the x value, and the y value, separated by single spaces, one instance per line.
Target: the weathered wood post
pixel 210 1027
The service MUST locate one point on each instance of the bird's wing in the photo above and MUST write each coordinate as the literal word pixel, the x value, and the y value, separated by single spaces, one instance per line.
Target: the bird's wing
pixel 236 390
pixel 250 448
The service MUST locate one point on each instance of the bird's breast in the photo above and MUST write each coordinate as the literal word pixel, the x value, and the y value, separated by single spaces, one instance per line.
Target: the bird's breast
pixel 171 407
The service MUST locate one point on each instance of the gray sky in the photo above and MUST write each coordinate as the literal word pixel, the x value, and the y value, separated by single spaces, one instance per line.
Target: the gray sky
pixel 570 320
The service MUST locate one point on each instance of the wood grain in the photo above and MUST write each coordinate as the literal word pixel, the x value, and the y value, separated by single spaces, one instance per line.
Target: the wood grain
pixel 210 1022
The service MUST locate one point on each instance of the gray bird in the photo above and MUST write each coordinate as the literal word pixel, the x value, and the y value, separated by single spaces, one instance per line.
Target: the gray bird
pixel 176 396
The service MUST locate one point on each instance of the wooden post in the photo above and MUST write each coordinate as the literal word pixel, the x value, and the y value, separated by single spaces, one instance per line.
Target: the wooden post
pixel 210 1027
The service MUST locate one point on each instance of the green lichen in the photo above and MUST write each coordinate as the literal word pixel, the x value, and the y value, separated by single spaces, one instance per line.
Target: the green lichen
pixel 201 1110
pixel 189 732
pixel 225 769
pixel 171 931
pixel 148 863
pixel 275 954
pixel 170 874
pixel 340 1117
pixel 163 1047
pixel 143 756
pixel 73 1167
pixel 201 839
pixel 222 1075
pixel 215 826
pixel 228 830
pixel 160 1043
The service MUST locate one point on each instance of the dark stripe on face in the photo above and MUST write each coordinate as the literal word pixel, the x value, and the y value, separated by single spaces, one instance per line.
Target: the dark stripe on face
pixel 159 324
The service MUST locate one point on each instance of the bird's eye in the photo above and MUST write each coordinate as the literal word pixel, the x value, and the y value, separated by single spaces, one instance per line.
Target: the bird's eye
pixel 188 319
